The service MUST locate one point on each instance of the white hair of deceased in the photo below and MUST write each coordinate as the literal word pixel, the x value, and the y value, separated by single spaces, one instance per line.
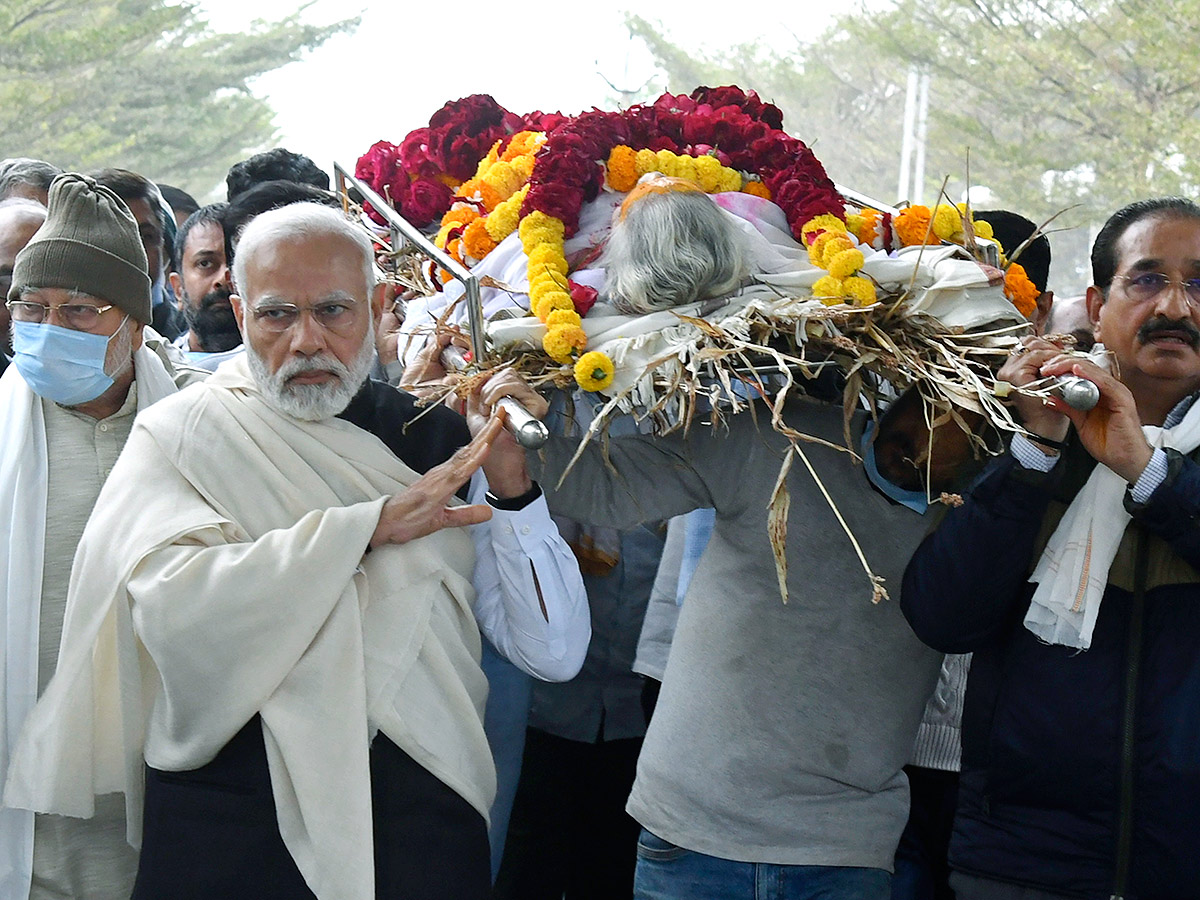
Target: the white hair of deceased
pixel 294 222
pixel 672 248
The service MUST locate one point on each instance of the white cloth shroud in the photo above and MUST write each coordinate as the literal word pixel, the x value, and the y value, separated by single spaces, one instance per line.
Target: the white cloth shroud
pixel 1073 570
pixel 162 651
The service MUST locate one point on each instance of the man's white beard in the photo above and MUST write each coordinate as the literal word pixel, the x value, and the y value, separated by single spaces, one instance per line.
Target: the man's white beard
pixel 313 402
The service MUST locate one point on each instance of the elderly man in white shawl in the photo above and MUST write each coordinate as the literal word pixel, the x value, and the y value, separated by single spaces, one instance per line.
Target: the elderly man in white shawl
pixel 84 366
pixel 282 646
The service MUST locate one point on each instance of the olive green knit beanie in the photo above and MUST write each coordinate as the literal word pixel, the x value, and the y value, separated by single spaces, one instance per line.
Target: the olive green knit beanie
pixel 89 243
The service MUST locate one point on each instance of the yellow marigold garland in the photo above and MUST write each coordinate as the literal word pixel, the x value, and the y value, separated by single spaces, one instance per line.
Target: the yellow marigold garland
pixel 594 371
pixel 563 342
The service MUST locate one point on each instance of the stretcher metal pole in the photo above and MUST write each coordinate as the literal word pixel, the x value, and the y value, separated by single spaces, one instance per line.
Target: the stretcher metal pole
pixel 530 432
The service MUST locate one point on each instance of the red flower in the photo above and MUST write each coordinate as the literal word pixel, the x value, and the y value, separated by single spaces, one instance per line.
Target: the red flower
pixel 415 155
pixel 427 199
pixel 562 201
pixel 462 132
pixel 540 121
pixel 583 296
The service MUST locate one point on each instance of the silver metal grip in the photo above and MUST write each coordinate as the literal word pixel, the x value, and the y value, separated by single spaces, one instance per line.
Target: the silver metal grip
pixel 530 432
pixel 1078 393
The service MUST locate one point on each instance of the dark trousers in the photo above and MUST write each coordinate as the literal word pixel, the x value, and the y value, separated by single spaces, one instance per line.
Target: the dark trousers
pixel 569 832
pixel 922 872
pixel 212 832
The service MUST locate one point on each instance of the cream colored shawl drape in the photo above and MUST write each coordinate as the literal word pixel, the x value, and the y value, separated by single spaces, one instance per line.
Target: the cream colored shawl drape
pixel 222 574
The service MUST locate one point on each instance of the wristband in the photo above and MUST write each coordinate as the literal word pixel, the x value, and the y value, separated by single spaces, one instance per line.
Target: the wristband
pixel 512 504
pixel 1045 441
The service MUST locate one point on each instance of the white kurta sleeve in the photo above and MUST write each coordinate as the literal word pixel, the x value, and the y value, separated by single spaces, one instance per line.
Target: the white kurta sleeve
pixel 529 596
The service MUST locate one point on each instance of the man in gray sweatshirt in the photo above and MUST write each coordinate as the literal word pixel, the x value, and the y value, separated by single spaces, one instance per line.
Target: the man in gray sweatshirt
pixel 776 751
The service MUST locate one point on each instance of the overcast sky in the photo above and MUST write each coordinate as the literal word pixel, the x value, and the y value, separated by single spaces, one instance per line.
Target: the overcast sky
pixel 408 58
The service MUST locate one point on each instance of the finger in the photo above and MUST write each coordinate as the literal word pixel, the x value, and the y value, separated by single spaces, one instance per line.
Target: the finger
pixel 458 516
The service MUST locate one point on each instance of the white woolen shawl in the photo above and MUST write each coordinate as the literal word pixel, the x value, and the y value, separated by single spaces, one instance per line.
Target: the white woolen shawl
pixel 23 478
pixel 1073 570
pixel 238 585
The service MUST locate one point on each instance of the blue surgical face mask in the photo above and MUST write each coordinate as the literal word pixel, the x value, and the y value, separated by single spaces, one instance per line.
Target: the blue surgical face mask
pixel 914 500
pixel 60 364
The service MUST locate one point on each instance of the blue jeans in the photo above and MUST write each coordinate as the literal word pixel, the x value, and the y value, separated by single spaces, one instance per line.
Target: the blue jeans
pixel 667 872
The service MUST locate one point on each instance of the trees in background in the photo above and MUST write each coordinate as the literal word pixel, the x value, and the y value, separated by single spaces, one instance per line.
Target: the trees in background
pixel 1061 103
pixel 140 84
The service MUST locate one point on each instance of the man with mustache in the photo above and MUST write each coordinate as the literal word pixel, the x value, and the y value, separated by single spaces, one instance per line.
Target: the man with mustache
pixel 1071 573
pixel 202 282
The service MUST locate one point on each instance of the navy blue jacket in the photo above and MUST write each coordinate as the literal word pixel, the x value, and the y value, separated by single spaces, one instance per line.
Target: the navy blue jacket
pixel 1081 770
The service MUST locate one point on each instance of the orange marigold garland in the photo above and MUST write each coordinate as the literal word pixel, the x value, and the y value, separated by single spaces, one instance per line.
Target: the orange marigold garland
pixel 1020 290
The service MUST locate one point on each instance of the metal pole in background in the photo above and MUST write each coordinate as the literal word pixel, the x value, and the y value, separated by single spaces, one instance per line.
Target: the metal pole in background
pixel 922 133
pixel 906 140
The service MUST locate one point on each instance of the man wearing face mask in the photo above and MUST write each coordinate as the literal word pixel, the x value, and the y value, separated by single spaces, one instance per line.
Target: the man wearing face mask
pixel 79 299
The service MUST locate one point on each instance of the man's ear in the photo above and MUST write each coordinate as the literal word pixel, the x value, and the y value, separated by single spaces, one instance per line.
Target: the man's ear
pixel 1095 302
pixel 137 336
pixel 377 297
pixel 238 311
pixel 1041 313
pixel 177 289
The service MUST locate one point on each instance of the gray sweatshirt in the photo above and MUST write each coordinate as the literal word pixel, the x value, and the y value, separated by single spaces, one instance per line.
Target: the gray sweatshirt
pixel 781 730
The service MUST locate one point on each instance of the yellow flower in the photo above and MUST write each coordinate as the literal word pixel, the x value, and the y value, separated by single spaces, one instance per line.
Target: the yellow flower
pixel 540 220
pixel 562 342
pixel 549 302
pixel 563 317
pixel 503 178
pixel 667 162
pixel 547 256
pixel 544 286
pixel 523 166
pixel 983 229
pixel 685 168
pixel 647 161
pixel 861 290
pixel 946 221
pixel 488 160
pixel 823 222
pixel 594 371
pixel 845 263
pixel 839 243
pixel 828 290
pixel 708 173
pixel 816 252
pixel 731 180
pixel 503 219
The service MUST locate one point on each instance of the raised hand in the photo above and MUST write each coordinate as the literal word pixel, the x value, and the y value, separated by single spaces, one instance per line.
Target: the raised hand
pixel 423 507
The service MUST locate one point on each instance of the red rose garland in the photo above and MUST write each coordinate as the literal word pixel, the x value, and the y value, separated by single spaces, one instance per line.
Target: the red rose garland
pixel 735 126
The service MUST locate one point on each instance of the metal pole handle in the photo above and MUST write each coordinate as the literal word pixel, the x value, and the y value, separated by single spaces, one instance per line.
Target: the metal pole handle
pixel 530 431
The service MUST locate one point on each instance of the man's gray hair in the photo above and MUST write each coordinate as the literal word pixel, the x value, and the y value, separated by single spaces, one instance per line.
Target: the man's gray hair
pixel 293 222
pixel 672 248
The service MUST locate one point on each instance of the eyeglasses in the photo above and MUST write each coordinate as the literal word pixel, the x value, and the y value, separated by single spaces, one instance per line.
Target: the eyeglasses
pixel 1148 285
pixel 335 315
pixel 79 316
